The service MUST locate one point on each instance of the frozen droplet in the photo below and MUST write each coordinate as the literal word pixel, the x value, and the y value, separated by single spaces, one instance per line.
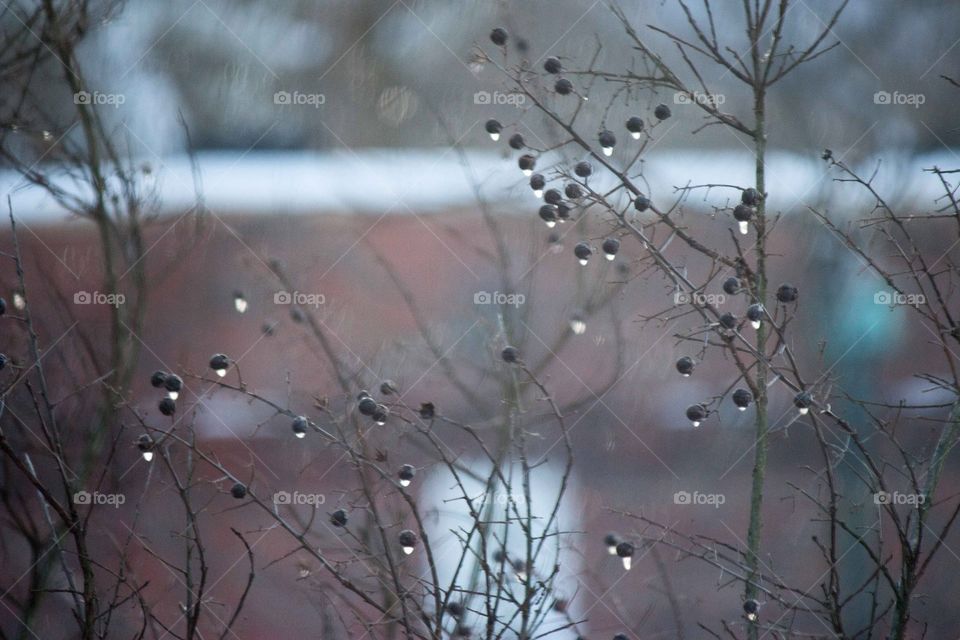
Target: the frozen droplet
pixel 300 434
pixel 173 395
pixel 635 135
pixel 528 172
pixel 744 227
pixel 538 193
pixel 804 411
pixel 695 423
pixel 494 136
pixel 148 455
pixel 583 262
pixel 610 256
pixel 407 550
pixel 607 151
pixel 404 483
pixel 578 326
pixel 221 372
pixel 550 223
pixel 627 563
pixel 240 304
pixel 755 324
pixel 19 302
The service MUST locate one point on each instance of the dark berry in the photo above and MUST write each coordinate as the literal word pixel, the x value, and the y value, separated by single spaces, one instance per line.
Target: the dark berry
pixel 145 443
pixel 583 251
pixel 563 209
pixel 3 361
pixel 167 406
pixel 510 354
pixel 583 169
pixel 731 285
pixel 455 609
pixel 158 378
pixel 750 607
pixel 339 518
pixel 493 127
pixel 573 191
pixel 3 306
pixel 526 162
pixel 381 414
pixel 299 426
pixel 537 182
pixel 641 203
pixel 367 406
pixel 407 472
pixel 750 197
pixel 173 383
pixel 662 112
pixel 552 196
pixel 607 140
pixel 563 86
pixel 611 246
pixel 238 491
pixel 516 141
pixel 742 398
pixel 787 293
pixel 548 213
pixel 611 540
pixel 728 321
pixel 802 400
pixel 635 125
pixel 685 365
pixel 219 362
pixel 696 413
pixel 743 213
pixel 755 312
pixel 552 65
pixel 498 36
pixel 427 410
pixel 407 539
pixel 625 549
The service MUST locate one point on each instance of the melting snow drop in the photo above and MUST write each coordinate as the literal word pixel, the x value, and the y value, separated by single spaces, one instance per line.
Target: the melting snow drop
pixel 627 563
pixel 148 455
pixel 635 135
pixel 550 223
pixel 607 151
pixel 221 372
pixel 404 483
pixel 751 617
pixel 173 395
pixel 380 422
pixel 583 262
pixel 407 550
pixel 755 324
pixel 742 408
pixel 744 227
pixel 804 410
pixel 695 423
pixel 494 136
pixel 610 256
pixel 578 326
pixel 612 549
pixel 239 303
pixel 300 434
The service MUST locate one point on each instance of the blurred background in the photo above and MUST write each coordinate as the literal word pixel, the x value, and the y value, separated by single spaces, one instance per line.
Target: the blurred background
pixel 345 140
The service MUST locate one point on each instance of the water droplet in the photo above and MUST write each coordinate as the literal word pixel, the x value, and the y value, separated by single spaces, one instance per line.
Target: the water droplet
pixel 494 136
pixel 751 617
pixel 744 227
pixel 755 324
pixel 173 395
pixel 550 223
pixel 635 135
pixel 404 483
pixel 583 262
pixel 300 434
pixel 695 423
pixel 528 172
pixel 221 372
pixel 610 256
pixel 804 411
pixel 607 151
pixel 578 326
pixel 612 549
pixel 148 455
pixel 240 304
pixel 407 550
pixel 742 408
pixel 627 563
pixel 19 302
